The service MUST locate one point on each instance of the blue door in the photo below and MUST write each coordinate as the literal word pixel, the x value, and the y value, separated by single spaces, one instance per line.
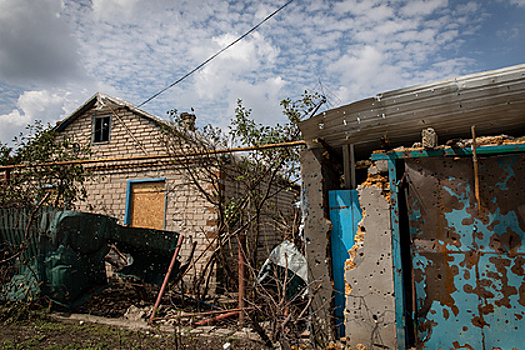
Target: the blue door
pixel 345 214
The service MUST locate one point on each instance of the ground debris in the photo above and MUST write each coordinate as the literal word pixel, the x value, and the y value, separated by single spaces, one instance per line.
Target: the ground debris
pixel 464 143
pixel 116 300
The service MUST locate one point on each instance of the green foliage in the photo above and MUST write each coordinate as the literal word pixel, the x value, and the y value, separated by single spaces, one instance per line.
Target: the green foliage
pixel 236 171
pixel 33 177
pixel 16 312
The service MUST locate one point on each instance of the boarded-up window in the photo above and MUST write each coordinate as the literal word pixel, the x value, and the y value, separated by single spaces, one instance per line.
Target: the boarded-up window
pixel 147 204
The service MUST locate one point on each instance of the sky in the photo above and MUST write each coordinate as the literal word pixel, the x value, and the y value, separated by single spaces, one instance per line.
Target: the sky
pixel 56 54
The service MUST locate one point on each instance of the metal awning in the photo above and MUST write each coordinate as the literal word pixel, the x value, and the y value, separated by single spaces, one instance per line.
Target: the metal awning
pixel 494 101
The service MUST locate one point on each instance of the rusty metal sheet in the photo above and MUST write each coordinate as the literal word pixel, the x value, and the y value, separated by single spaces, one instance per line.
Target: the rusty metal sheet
pixel 468 263
pixel 502 303
pixel 444 310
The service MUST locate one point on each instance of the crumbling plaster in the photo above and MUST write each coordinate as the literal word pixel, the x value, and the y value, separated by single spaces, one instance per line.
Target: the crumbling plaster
pixel 370 302
pixel 316 233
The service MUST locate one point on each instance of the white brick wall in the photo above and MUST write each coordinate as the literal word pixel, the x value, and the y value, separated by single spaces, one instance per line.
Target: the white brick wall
pixel 186 211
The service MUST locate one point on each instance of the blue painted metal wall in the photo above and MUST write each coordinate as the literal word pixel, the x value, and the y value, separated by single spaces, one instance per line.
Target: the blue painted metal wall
pixel 345 214
pixel 468 261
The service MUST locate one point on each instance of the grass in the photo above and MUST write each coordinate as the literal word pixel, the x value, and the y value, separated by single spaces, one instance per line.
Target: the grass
pixel 32 329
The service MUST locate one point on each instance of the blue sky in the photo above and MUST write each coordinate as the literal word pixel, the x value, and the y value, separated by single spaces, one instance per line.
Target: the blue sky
pixel 55 54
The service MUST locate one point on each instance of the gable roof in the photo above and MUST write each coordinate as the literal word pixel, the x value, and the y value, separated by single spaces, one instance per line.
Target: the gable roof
pixel 494 101
pixel 98 101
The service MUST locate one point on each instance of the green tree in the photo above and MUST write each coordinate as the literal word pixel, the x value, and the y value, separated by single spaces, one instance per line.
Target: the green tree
pixel 259 173
pixel 38 167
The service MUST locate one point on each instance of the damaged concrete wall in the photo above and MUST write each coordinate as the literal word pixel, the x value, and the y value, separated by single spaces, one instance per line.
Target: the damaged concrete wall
pixel 370 302
pixel 316 233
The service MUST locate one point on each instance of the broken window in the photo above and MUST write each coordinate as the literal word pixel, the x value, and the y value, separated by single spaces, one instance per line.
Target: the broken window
pixel 101 129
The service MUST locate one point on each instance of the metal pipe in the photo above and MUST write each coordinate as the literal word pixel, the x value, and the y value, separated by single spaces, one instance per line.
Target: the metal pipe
pixel 166 279
pixel 221 317
pixel 162 156
pixel 352 167
pixel 476 167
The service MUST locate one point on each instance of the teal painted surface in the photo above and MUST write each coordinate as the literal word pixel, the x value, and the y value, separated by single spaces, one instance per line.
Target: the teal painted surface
pixel 483 150
pixel 64 259
pixel 345 215
pixel 399 289
pixel 468 261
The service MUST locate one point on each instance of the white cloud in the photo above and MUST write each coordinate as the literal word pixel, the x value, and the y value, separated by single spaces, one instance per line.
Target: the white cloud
pixel 108 9
pixel 31 106
pixel 133 48
pixel 520 3
pixel 363 70
pixel 422 7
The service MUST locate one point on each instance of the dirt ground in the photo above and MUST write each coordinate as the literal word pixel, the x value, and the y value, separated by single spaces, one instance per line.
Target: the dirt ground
pixel 40 331
pixel 101 323
pixel 48 334
pixel 116 318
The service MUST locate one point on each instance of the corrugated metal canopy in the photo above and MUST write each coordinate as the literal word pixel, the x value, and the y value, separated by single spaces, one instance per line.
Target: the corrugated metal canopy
pixel 494 101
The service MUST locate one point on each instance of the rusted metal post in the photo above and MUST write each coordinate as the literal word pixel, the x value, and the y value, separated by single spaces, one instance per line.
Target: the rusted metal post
pixel 242 276
pixel 217 318
pixel 166 279
pixel 476 166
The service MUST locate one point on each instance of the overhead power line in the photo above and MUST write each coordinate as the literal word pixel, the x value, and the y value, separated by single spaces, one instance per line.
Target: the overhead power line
pixel 217 54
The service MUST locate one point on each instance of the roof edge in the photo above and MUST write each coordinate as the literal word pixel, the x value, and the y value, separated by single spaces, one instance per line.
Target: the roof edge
pixel 101 99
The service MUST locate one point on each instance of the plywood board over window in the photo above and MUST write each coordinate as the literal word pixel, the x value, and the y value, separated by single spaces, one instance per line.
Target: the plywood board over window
pixel 145 203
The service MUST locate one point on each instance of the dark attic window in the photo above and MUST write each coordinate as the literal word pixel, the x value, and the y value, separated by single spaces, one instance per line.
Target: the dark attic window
pixel 101 129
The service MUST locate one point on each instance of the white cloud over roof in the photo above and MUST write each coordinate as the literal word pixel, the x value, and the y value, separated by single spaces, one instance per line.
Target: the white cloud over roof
pixel 59 53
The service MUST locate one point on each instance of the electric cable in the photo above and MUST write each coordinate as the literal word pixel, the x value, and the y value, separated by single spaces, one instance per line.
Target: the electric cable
pixel 217 54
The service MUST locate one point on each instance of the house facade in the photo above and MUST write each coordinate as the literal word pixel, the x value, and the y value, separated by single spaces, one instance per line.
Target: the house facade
pixel 135 180
pixel 415 214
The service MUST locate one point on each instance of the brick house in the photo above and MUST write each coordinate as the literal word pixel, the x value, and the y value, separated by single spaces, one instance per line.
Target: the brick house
pixel 136 183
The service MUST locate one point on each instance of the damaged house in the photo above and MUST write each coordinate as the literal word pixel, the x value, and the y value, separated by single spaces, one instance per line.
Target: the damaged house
pixel 137 181
pixel 415 210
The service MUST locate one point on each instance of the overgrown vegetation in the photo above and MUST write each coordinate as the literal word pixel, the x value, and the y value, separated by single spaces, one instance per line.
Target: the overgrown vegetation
pixel 28 181
pixel 260 175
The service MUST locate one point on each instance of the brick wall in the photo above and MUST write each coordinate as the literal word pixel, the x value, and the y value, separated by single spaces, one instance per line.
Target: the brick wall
pixel 186 210
pixel 130 134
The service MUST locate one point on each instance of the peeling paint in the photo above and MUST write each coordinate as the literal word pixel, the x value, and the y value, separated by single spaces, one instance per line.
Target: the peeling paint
pixel 468 261
pixel 316 233
pixel 379 181
pixel 370 311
